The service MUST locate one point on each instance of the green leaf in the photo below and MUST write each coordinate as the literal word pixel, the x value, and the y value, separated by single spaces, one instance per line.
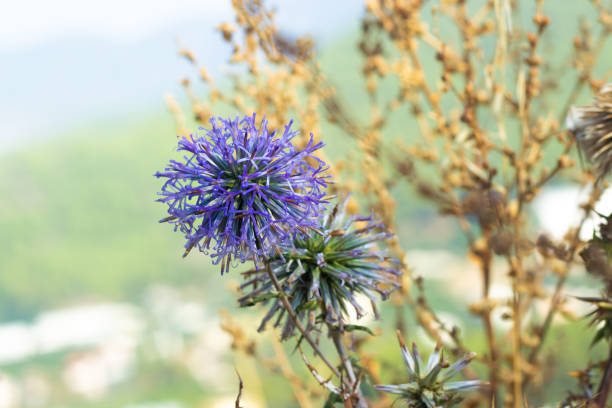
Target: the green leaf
pixel 366 386
pixel 331 400
pixel 262 298
pixel 311 304
pixel 353 327
pixel 604 333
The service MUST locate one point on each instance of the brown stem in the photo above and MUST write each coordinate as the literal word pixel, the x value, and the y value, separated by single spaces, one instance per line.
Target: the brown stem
pixel 554 304
pixel 493 356
pixel 516 348
pixel 606 382
pixel 486 316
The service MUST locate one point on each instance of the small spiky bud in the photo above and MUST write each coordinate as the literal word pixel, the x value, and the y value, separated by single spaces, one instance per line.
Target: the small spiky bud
pixel 428 385
pixel 592 128
pixel 323 271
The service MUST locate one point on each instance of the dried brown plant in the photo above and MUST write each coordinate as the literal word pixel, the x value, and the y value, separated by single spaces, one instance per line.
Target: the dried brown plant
pixel 489 108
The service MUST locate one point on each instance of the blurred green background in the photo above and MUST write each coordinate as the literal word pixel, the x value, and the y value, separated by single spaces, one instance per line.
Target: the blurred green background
pixel 97 307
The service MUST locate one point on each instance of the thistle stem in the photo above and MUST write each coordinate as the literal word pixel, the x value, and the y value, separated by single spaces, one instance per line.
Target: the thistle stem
pixel 606 382
pixel 346 363
pixel 295 320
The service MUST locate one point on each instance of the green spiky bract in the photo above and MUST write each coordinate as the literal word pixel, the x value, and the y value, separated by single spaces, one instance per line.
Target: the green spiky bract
pixel 323 270
pixel 428 384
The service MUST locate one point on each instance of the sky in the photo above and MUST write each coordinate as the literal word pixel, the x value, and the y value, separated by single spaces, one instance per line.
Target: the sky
pixel 68 63
pixel 30 22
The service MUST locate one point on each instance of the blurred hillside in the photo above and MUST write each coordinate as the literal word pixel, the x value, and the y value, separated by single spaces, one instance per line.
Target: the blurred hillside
pixel 80 210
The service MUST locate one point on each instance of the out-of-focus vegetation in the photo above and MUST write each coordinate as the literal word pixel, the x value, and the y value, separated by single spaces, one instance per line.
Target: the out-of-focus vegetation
pixel 78 224
pixel 485 83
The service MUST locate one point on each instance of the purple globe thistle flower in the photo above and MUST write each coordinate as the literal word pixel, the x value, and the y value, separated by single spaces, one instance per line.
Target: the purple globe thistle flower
pixel 323 271
pixel 241 190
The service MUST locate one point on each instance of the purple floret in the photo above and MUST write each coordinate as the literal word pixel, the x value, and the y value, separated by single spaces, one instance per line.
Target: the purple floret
pixel 242 190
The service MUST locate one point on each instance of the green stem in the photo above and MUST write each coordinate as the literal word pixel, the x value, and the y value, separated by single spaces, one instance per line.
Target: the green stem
pixel 346 363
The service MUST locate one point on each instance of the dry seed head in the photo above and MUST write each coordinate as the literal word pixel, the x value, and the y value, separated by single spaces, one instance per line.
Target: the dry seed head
pixel 226 30
pixel 592 128
pixel 501 242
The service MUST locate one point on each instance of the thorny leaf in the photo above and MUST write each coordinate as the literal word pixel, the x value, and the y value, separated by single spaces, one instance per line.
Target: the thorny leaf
pixel 353 327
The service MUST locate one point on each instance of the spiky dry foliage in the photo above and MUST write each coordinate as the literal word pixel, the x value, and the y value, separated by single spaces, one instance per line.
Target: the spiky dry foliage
pixel 592 127
pixel 488 101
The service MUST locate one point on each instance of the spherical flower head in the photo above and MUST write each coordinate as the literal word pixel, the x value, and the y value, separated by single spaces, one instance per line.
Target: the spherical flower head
pixel 592 128
pixel 241 189
pixel 428 384
pixel 323 271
